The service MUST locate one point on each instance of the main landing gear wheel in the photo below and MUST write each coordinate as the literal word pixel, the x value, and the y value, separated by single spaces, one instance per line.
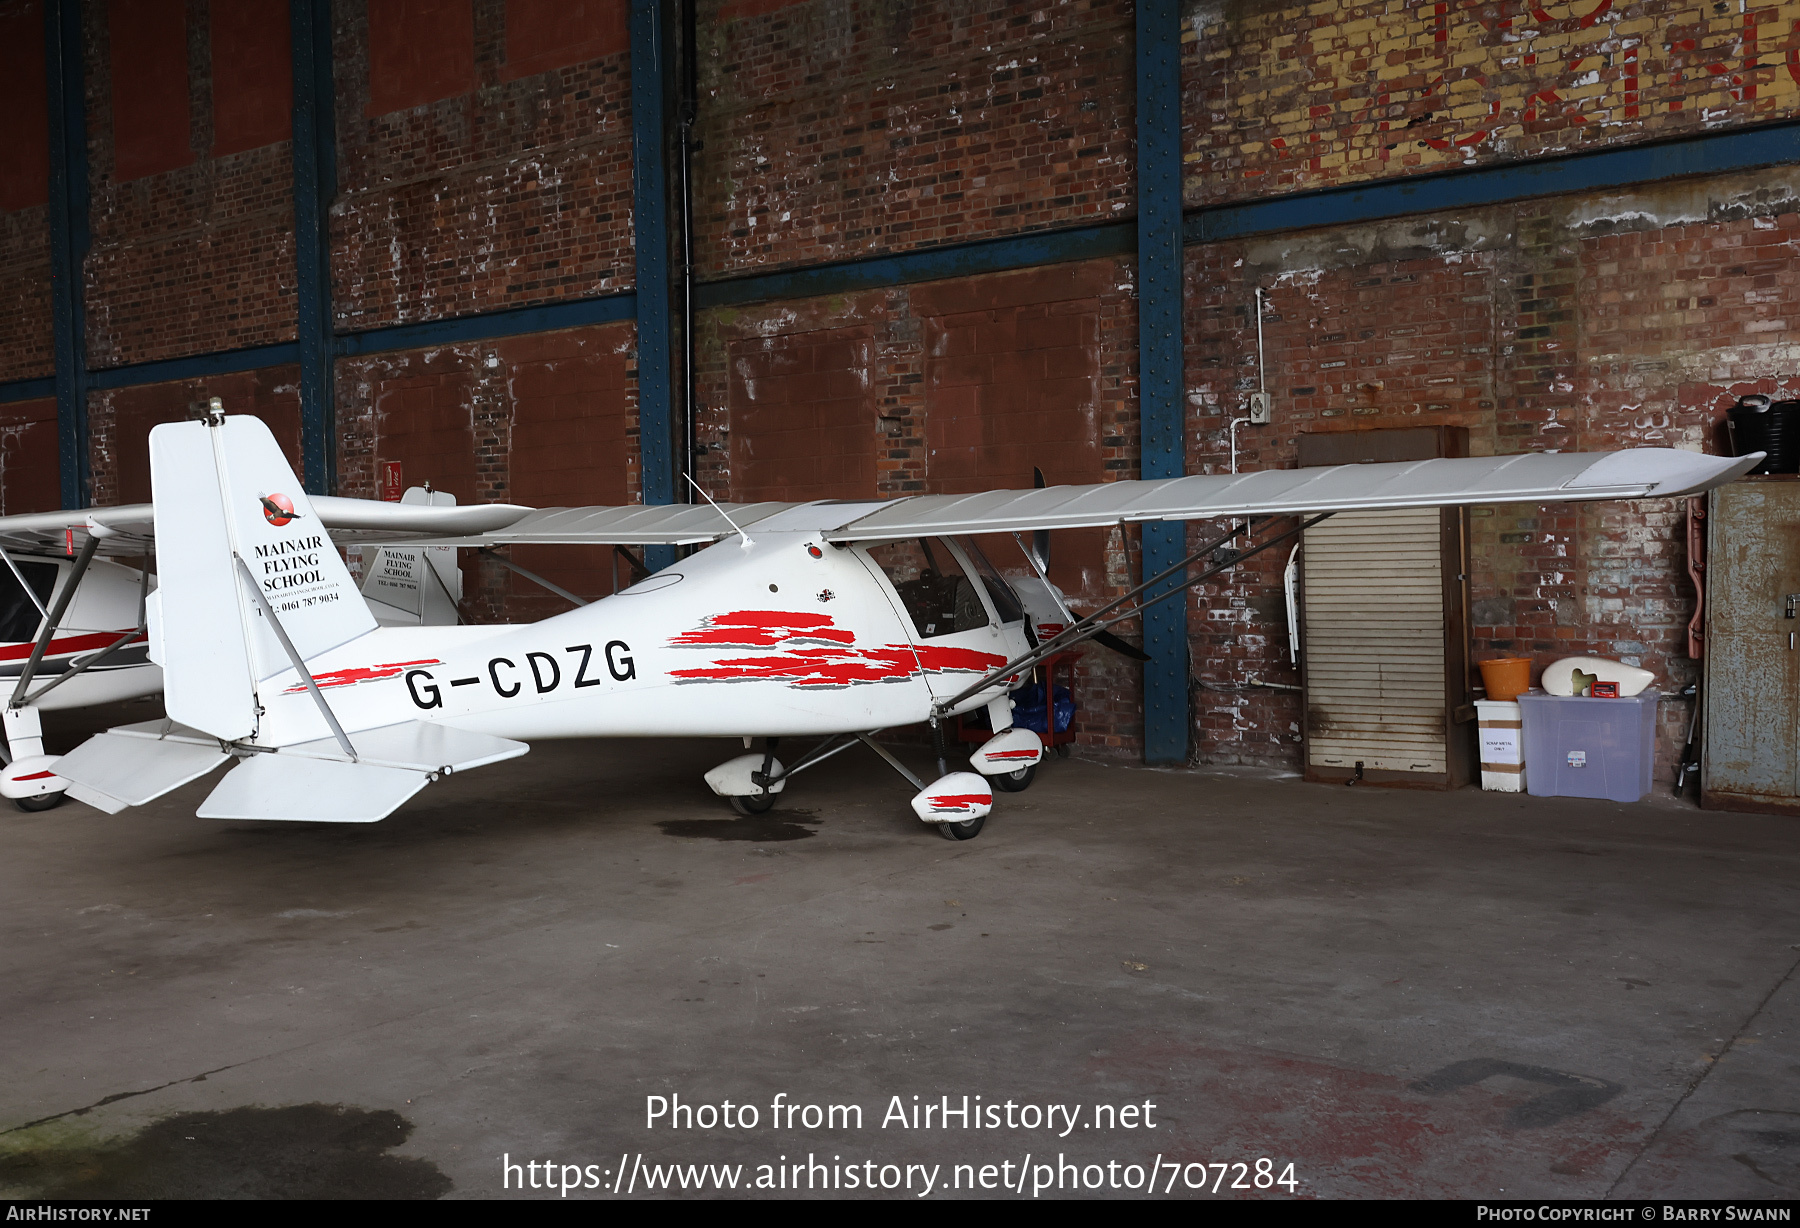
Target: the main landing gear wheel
pixel 754 803
pixel 43 801
pixel 1015 782
pixel 966 830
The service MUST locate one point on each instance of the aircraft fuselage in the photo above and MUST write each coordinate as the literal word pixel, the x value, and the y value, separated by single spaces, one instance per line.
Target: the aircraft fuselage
pixel 789 636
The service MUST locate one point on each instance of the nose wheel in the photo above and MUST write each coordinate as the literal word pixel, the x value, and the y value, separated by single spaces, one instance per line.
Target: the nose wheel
pixel 961 831
pixel 754 803
pixel 1015 782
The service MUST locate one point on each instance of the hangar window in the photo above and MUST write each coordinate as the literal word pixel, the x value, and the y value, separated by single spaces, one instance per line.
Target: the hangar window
pixel 19 616
pixel 939 595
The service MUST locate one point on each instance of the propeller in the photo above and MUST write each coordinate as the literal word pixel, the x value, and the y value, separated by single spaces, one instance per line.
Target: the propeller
pixel 1040 546
pixel 1107 639
pixel 1040 540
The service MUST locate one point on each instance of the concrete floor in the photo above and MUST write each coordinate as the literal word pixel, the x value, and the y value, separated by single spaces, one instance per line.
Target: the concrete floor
pixel 1398 993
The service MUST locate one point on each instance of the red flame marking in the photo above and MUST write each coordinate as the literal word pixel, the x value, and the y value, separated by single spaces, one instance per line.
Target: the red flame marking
pixel 835 667
pixel 361 673
pixel 833 664
pixel 67 644
pixel 762 629
pixel 961 801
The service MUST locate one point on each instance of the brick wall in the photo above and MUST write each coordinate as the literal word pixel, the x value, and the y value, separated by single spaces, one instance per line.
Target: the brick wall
pixel 25 334
pixel 512 188
pixel 546 420
pixel 833 130
pixel 1574 324
pixel 29 478
pixel 1280 97
pixel 119 423
pixel 192 247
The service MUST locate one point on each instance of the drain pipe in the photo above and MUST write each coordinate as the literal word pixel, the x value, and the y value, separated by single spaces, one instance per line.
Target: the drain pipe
pixel 686 116
pixel 1290 584
pixel 1260 404
pixel 1235 423
pixel 1262 366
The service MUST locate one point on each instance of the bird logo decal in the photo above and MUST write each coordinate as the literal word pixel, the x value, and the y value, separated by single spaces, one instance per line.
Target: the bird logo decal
pixel 278 509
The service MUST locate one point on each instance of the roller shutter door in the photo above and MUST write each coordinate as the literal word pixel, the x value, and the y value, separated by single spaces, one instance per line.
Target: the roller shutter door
pixel 1374 646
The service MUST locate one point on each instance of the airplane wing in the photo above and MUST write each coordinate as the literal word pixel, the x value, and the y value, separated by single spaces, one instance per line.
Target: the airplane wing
pixel 129 529
pixel 1531 477
pixel 636 524
pixel 122 530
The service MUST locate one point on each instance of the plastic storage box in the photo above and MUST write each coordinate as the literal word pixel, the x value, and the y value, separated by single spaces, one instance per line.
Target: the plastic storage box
pixel 1578 747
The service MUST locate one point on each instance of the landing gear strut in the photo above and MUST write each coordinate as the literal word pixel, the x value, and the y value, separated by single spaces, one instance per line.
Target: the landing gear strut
pixel 763 802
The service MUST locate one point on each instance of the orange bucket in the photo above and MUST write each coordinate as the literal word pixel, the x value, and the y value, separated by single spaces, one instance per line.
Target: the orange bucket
pixel 1507 678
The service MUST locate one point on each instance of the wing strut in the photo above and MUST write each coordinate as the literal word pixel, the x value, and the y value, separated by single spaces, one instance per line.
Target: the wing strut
pixel 507 563
pixel 830 746
pixel 1038 555
pixel 1090 627
pixel 57 609
pixel 95 658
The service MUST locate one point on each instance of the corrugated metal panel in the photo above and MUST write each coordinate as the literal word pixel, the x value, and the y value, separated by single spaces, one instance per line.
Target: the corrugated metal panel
pixel 1375 641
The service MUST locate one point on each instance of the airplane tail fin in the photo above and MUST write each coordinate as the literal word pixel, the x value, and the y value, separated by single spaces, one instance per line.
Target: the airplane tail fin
pixel 227 502
pixel 414 586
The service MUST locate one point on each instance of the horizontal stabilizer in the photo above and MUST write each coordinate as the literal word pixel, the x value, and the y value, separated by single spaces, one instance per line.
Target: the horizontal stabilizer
pixel 134 764
pixel 314 782
pixel 281 786
pixel 417 745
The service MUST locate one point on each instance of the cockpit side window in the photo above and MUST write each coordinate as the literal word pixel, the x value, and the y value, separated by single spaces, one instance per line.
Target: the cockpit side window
pixel 19 615
pixel 939 596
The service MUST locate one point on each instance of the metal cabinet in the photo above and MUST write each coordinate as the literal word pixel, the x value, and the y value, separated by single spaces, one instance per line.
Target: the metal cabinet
pixel 1752 688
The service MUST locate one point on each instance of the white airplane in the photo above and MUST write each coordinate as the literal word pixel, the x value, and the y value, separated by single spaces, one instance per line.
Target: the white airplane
pixel 829 619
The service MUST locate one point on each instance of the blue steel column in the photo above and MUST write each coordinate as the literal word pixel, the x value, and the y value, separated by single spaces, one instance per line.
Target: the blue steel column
pixel 315 185
pixel 1160 392
pixel 650 224
pixel 68 241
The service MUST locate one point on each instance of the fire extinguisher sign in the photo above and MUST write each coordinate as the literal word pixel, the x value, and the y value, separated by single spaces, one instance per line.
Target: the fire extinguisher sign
pixel 391 484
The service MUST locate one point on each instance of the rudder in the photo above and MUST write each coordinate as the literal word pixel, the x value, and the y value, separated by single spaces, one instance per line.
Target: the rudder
pixel 223 491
